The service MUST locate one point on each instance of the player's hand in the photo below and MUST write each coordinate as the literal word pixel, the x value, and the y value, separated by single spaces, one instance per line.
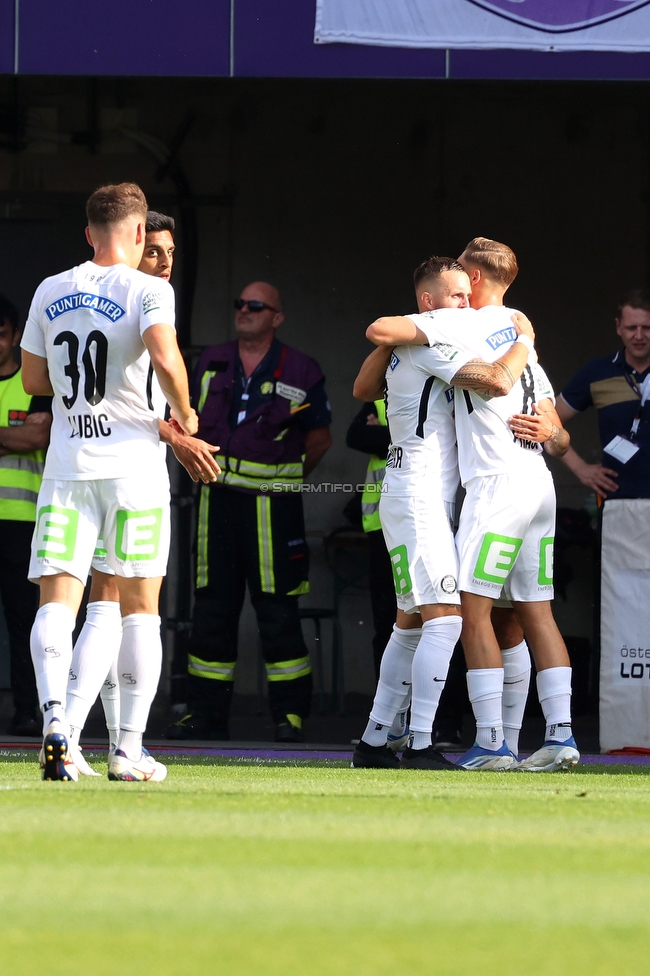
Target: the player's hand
pixel 602 480
pixel 196 457
pixel 523 325
pixel 537 428
pixel 189 424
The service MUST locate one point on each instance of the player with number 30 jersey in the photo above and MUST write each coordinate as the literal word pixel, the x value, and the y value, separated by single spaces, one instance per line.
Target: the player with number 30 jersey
pixel 88 322
pixel 94 338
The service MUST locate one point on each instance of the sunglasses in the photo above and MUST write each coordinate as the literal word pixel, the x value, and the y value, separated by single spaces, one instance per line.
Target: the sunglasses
pixel 253 305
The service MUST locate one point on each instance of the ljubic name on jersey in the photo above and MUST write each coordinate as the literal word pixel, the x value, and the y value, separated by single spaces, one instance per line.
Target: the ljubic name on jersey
pixel 88 425
pixel 94 360
pixel 88 323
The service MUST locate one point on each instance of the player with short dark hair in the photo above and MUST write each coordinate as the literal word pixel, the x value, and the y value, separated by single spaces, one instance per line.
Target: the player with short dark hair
pixel 159 247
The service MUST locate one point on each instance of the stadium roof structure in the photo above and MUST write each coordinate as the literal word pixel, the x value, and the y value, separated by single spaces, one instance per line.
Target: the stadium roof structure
pixel 263 38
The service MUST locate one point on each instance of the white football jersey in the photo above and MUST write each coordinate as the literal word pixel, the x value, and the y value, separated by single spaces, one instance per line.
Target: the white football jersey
pixel 422 457
pixel 88 323
pixel 486 445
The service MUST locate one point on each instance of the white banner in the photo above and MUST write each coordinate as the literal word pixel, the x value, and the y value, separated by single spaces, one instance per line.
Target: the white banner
pixel 539 25
pixel 625 626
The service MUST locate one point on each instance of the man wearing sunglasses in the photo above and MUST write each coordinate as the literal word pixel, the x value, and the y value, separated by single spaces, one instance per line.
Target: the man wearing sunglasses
pixel 265 403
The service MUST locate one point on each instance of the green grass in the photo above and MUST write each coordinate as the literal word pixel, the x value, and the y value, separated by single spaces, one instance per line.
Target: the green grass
pixel 253 869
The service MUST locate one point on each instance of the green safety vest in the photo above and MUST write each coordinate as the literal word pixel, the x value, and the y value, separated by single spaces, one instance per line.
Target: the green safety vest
pixel 374 478
pixel 20 474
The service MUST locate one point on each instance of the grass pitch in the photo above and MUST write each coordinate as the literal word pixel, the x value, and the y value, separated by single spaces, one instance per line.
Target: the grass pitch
pixel 319 870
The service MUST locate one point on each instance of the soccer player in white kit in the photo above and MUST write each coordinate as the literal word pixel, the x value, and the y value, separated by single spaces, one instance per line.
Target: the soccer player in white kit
pixel 96 650
pixel 90 336
pixel 416 510
pixel 506 532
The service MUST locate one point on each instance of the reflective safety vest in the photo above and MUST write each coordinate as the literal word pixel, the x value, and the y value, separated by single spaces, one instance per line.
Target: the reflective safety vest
pixel 20 474
pixel 266 449
pixel 374 478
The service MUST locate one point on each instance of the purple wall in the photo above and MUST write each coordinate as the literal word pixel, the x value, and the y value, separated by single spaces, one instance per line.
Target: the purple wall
pixel 272 38
pixel 6 37
pixel 124 37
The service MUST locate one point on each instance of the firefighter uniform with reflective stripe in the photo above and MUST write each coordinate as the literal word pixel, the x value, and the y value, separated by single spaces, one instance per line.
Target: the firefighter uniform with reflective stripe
pixel 250 528
pixel 373 439
pixel 20 480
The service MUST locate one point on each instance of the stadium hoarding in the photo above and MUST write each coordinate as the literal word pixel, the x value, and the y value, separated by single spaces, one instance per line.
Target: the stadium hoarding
pixel 257 38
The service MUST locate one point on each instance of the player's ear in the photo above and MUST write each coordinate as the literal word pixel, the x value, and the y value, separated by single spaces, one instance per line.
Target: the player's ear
pixel 140 233
pixel 88 237
pixel 427 300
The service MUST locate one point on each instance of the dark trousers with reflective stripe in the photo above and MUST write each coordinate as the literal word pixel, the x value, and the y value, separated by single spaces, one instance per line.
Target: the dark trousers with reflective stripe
pixel 259 541
pixel 20 603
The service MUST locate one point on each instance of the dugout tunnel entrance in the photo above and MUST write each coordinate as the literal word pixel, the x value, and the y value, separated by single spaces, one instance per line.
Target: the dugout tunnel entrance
pixel 335 189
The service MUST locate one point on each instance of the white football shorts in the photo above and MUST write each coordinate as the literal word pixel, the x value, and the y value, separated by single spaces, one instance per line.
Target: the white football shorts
pixel 99 559
pixel 505 538
pixel 130 515
pixel 420 541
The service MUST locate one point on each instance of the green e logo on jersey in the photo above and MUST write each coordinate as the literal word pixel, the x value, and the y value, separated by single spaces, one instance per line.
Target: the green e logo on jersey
pixel 400 562
pixel 497 557
pixel 57 532
pixel 138 534
pixel 545 576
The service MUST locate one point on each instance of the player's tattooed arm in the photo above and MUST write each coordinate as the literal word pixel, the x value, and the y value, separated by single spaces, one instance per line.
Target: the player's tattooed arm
pixel 395 330
pixel 498 378
pixel 488 379
pixel 543 427
pixel 370 382
pixel 194 454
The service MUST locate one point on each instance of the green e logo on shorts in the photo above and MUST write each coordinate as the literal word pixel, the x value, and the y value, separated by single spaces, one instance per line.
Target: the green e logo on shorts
pixel 545 576
pixel 138 534
pixel 497 557
pixel 57 532
pixel 400 562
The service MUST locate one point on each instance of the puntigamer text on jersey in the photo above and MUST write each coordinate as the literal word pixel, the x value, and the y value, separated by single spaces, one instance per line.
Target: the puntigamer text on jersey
pixel 83 299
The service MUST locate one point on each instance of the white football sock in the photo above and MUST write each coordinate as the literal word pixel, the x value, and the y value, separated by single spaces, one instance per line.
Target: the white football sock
pixel 138 666
pixel 398 728
pixel 96 649
pixel 516 681
pixel 110 694
pixel 485 688
pixel 51 648
pixel 430 667
pixel 554 690
pixel 394 684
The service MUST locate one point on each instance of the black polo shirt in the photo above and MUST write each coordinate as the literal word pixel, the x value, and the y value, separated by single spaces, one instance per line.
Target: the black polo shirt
pixel 603 384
